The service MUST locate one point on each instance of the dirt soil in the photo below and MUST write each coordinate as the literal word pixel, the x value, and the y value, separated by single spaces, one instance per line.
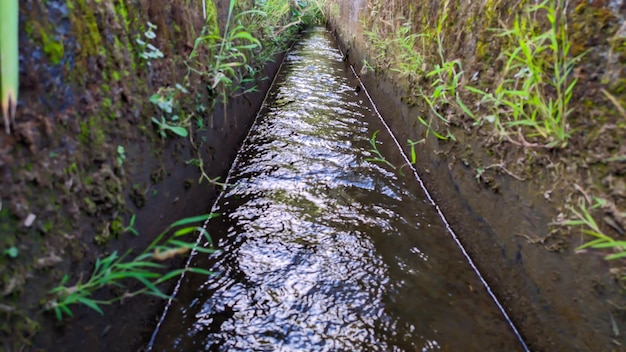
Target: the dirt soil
pixel 67 192
pixel 504 198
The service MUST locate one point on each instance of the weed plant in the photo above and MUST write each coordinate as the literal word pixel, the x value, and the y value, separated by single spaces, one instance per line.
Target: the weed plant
pixel 223 60
pixel 536 86
pixel 399 54
pixel 116 270
pixel 446 76
pixel 167 102
pixel 148 50
pixel 409 63
pixel 229 52
pixel 398 50
pixel 582 217
pixel 382 47
pixel 378 156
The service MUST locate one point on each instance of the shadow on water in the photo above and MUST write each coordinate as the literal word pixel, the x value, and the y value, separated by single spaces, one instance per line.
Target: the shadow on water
pixel 322 249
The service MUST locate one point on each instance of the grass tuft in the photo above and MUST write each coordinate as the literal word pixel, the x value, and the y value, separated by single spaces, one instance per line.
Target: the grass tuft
pixel 115 270
pixel 532 97
pixel 582 217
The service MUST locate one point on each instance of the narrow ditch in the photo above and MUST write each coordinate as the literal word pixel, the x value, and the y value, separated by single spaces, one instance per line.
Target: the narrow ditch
pixel 321 247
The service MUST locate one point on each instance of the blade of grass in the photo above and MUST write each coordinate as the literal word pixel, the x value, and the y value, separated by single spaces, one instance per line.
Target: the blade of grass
pixel 9 60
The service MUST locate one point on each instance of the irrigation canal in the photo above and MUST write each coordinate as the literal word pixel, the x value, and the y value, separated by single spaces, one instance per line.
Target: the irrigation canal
pixel 323 249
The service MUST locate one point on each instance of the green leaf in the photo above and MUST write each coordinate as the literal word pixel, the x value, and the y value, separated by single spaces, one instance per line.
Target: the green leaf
pixel 66 310
pixel 193 219
pixel 91 304
pixel 616 256
pixel 142 264
pixel 181 244
pixel 572 222
pixel 158 294
pixel 181 131
pixel 590 244
pixel 204 250
pixel 170 275
pixel 11 252
pixel 184 231
pixel 152 287
pixel 440 136
pixel 465 109
pixel 611 244
pixel 477 91
pixel 246 36
pixel 206 236
pixel 58 313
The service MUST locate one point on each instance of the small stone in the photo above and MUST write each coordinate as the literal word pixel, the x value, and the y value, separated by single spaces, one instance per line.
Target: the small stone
pixel 30 219
pixel 619 189
pixel 49 261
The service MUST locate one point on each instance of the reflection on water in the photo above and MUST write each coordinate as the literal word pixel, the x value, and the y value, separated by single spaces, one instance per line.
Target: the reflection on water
pixel 322 249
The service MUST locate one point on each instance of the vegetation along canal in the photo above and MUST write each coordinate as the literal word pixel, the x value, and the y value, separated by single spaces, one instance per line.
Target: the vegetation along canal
pixel 322 245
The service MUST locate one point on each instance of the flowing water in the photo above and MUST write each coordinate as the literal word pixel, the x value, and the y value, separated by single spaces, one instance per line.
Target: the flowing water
pixel 322 248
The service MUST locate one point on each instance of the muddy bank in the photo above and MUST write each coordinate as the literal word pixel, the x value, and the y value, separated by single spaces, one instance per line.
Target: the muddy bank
pixel 512 189
pixel 86 155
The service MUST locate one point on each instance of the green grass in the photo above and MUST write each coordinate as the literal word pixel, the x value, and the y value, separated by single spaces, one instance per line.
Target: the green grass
pixel 404 52
pixel 582 218
pixel 530 103
pixel 378 156
pixel 382 49
pixel 531 100
pixel 447 76
pixel 230 62
pixel 228 51
pixel 117 270
pixel 408 63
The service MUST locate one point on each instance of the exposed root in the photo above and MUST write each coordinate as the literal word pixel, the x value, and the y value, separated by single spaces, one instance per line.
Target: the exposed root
pixel 533 240
pixel 503 168
pixel 523 142
pixel 581 190
pixel 168 254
